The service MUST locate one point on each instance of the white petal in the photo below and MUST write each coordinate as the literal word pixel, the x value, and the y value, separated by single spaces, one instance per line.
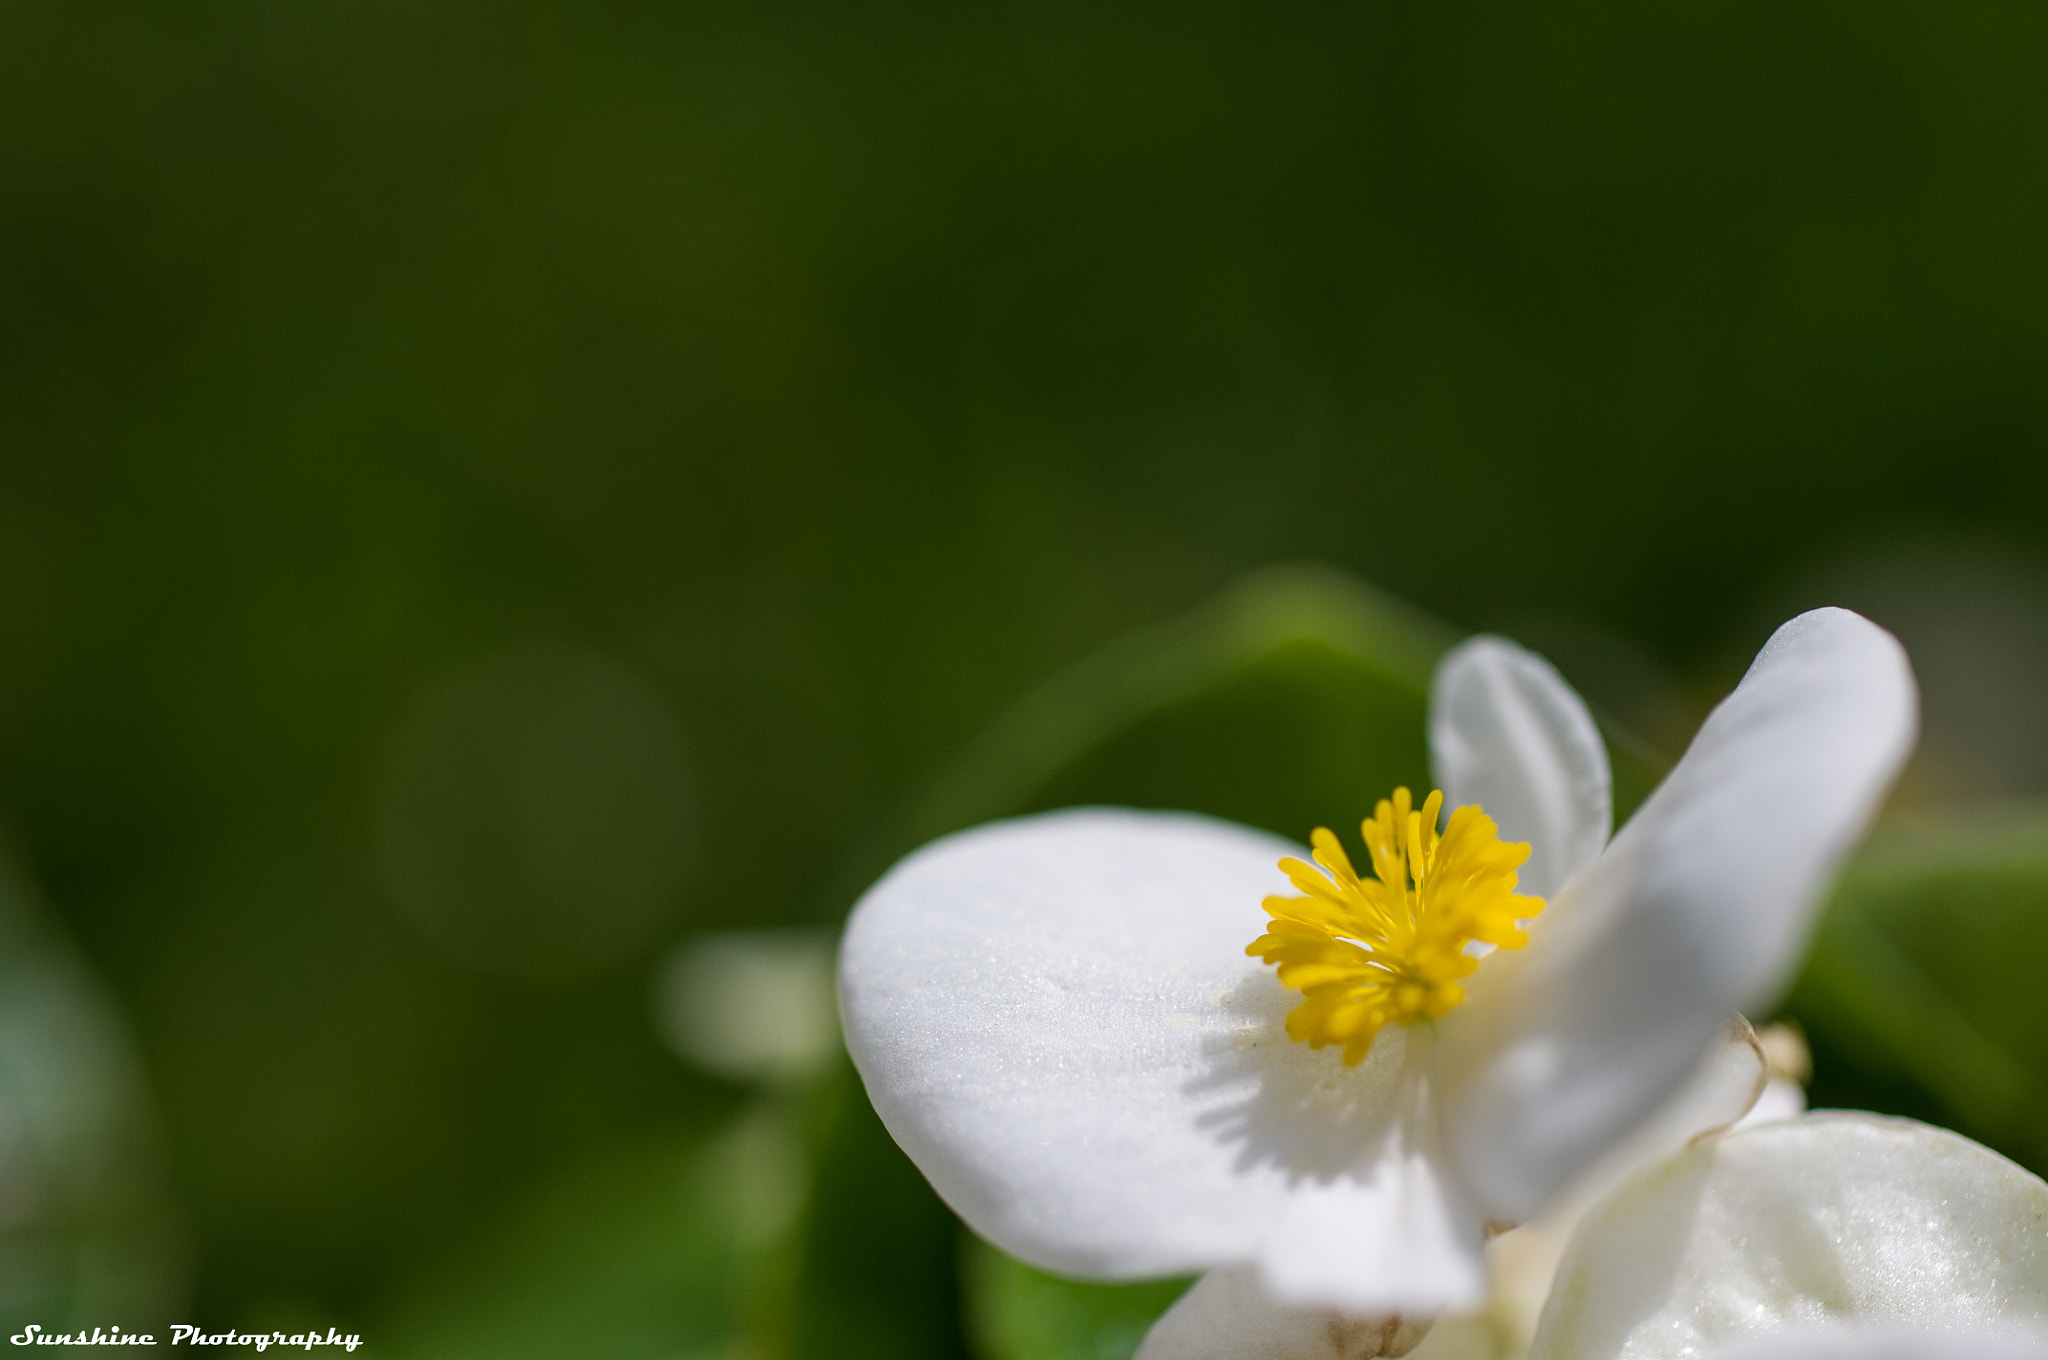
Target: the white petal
pixel 1722 1092
pixel 1892 1343
pixel 1699 907
pixel 1228 1315
pixel 1506 732
pixel 1056 1018
pixel 1831 1219
pixel 1523 1262
pixel 1391 1233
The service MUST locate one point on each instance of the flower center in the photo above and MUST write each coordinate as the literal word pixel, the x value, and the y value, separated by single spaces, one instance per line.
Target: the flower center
pixel 1367 951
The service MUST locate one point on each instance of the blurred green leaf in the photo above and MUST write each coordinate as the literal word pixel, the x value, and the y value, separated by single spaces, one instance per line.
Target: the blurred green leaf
pixel 645 1253
pixel 1297 697
pixel 89 1234
pixel 1923 992
pixel 1295 688
pixel 877 1279
pixel 1018 1313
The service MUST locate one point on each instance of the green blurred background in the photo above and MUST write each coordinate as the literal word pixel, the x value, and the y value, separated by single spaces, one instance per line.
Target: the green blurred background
pixel 489 493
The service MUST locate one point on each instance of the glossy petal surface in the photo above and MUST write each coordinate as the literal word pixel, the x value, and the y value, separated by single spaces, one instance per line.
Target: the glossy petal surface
pixel 1892 1343
pixel 1831 1219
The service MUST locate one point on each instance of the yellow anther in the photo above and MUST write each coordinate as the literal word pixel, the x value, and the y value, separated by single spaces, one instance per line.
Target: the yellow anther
pixel 1368 951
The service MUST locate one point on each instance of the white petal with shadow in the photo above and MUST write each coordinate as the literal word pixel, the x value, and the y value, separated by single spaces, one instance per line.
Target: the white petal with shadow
pixel 1721 1093
pixel 1699 907
pixel 1056 1018
pixel 1846 1219
pixel 1228 1315
pixel 1392 1233
pixel 1506 732
pixel 1522 1263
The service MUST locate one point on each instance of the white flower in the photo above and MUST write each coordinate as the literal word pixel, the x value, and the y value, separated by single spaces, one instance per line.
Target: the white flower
pixel 1831 1235
pixel 1057 1019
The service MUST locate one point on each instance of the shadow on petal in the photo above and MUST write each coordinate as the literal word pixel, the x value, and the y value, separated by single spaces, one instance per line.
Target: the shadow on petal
pixel 1296 1109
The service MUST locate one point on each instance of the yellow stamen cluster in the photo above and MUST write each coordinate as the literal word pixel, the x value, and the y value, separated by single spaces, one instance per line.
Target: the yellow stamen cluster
pixel 1368 951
